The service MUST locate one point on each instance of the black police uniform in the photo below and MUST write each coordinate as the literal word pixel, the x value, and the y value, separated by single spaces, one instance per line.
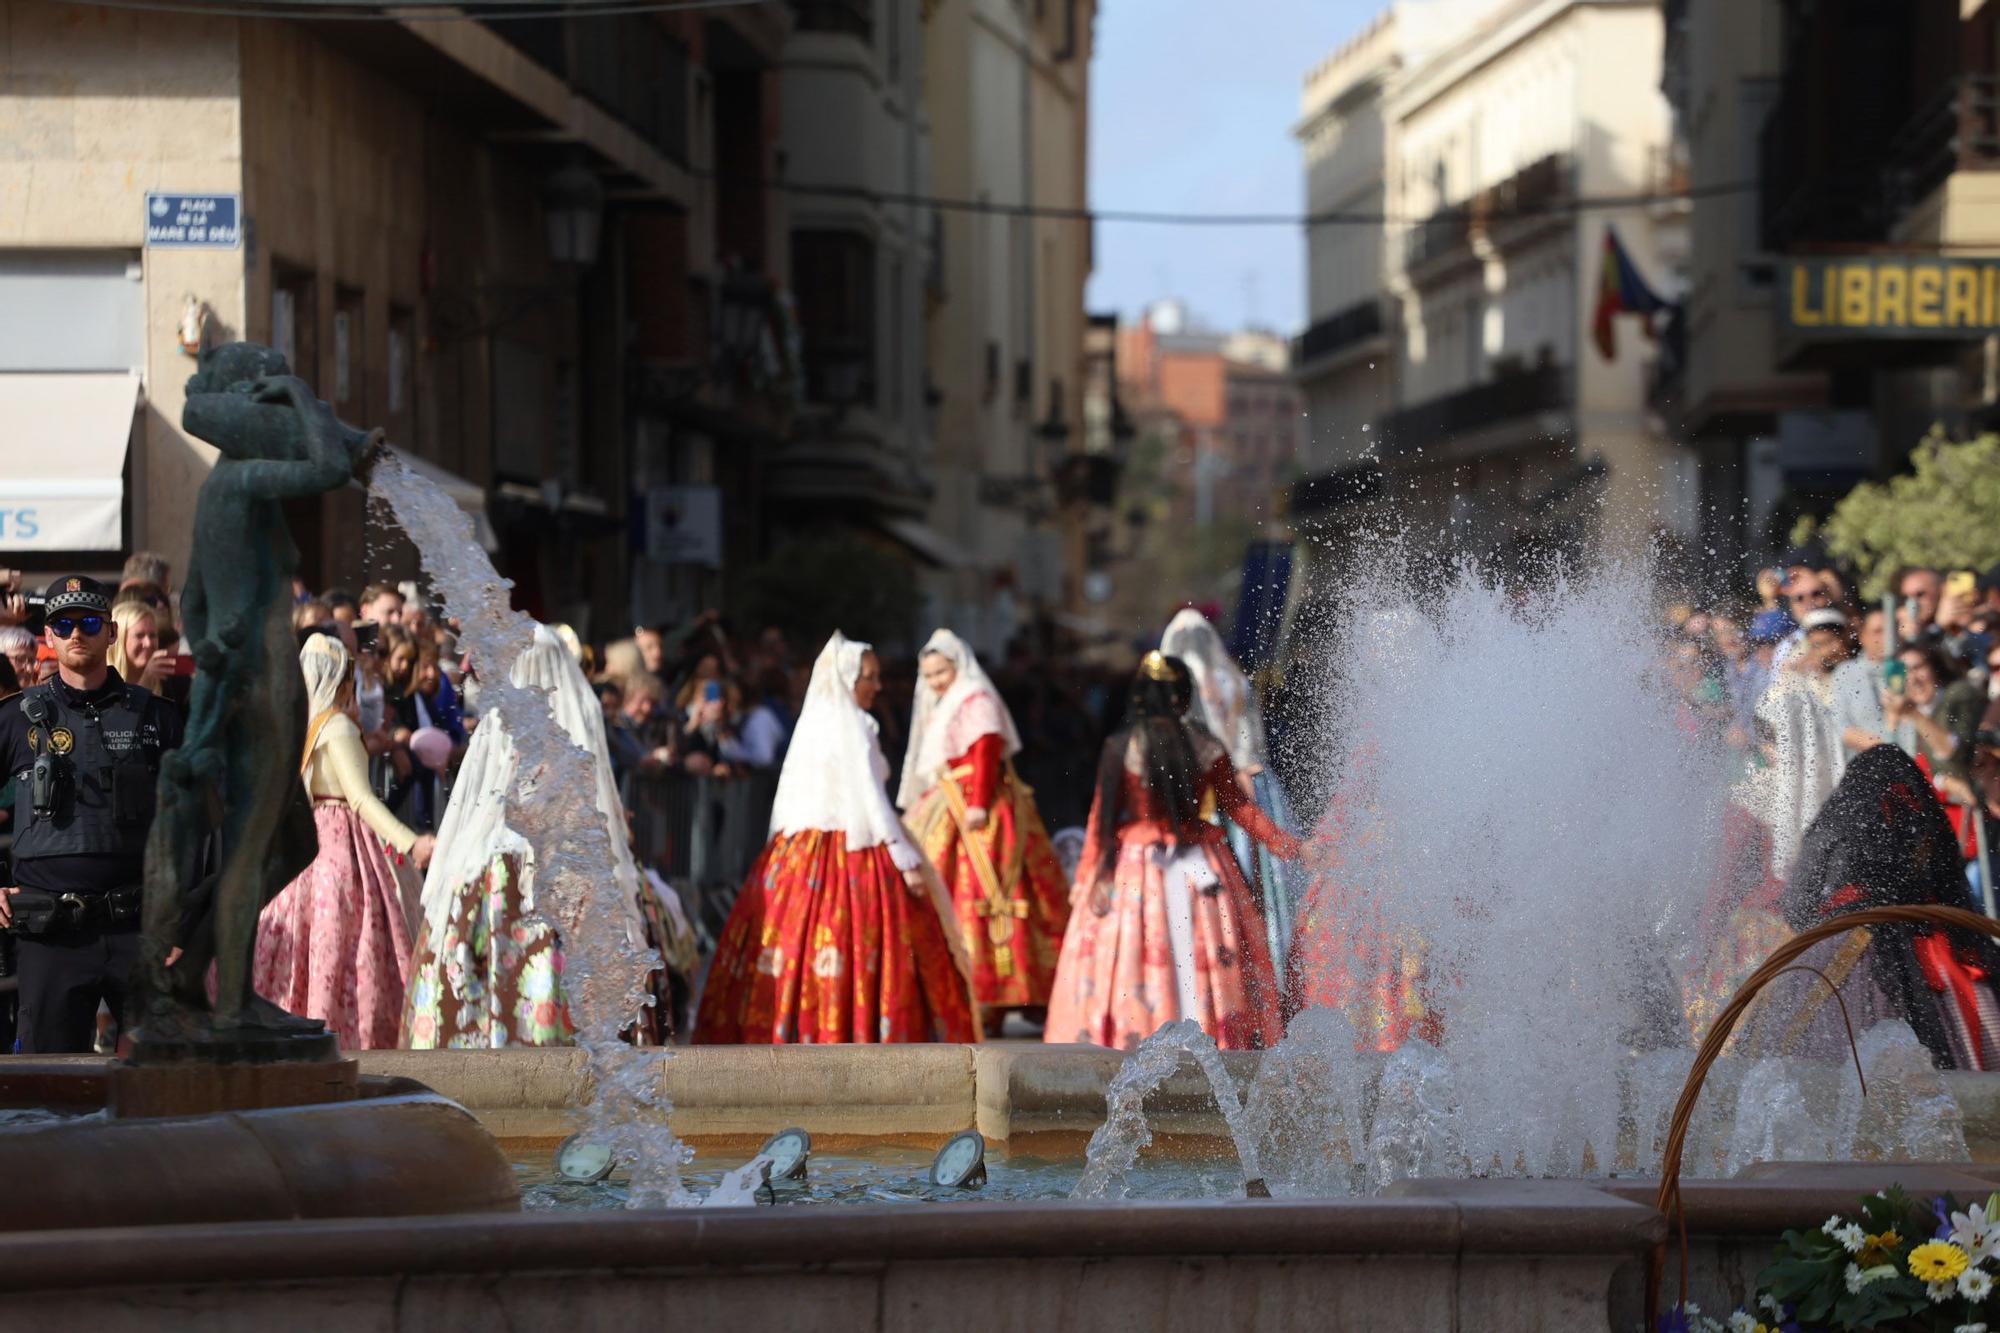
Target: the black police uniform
pixel 80 836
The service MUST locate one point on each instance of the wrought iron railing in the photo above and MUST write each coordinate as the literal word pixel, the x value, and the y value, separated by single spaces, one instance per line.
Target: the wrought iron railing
pixel 1506 398
pixel 1957 130
pixel 1357 322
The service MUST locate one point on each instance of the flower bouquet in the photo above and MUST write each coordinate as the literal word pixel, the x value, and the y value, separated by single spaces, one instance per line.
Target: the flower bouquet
pixel 1895 1266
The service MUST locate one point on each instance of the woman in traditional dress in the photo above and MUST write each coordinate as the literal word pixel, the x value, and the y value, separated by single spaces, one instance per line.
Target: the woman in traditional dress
pixel 1226 705
pixel 977 822
pixel 843 932
pixel 1163 926
pixel 1346 954
pixel 335 943
pixel 1762 829
pixel 484 975
pixel 1882 839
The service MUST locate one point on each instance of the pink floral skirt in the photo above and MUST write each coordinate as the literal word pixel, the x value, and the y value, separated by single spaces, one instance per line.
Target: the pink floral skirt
pixel 335 945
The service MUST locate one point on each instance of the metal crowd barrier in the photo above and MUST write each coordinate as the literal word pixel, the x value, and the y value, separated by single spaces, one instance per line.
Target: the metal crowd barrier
pixel 702 835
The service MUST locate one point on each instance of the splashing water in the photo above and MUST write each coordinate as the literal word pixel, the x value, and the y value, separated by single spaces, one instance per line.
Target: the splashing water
pixel 1115 1147
pixel 1517 795
pixel 1514 788
pixel 555 808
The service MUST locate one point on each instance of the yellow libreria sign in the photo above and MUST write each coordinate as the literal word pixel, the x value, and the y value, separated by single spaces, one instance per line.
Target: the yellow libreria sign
pixel 1893 297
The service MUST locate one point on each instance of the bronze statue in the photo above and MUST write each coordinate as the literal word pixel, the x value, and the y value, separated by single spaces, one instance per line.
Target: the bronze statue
pixel 230 798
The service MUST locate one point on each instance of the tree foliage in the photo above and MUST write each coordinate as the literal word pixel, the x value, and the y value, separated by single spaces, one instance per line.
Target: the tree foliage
pixel 816 582
pixel 1945 513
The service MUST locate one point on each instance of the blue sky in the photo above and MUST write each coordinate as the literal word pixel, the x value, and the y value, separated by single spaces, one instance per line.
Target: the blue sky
pixel 1191 108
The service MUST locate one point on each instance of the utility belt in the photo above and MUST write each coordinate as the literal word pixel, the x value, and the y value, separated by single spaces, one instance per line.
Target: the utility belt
pixel 40 912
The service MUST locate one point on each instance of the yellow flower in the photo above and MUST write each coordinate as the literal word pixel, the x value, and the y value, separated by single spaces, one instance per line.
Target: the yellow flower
pixel 1879 1249
pixel 1936 1261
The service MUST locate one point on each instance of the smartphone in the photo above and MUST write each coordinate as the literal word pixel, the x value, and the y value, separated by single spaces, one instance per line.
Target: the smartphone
pixel 712 691
pixel 365 632
pixel 1895 676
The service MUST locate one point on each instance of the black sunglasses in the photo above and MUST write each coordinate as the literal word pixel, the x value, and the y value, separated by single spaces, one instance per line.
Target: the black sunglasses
pixel 64 626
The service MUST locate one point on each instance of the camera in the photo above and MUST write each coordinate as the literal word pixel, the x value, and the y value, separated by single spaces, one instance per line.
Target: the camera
pixel 365 634
pixel 38 613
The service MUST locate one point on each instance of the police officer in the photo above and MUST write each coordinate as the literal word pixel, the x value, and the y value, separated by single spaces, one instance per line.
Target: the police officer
pixel 84 750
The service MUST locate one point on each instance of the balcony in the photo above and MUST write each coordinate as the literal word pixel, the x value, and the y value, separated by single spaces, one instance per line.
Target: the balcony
pixel 855 18
pixel 1526 197
pixel 1440 234
pixel 625 64
pixel 1356 324
pixel 1480 409
pixel 1958 130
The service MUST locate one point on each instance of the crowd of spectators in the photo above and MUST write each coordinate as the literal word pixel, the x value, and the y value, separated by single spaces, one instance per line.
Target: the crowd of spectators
pixel 1919 669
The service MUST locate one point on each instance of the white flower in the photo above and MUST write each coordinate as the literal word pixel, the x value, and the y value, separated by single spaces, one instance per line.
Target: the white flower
pixel 1940 1292
pixel 828 963
pixel 771 961
pixel 1831 1225
pixel 1708 1325
pixel 1855 1280
pixel 1851 1238
pixel 1741 1322
pixel 1769 1303
pixel 1970 1328
pixel 1974 1284
pixel 1976 1232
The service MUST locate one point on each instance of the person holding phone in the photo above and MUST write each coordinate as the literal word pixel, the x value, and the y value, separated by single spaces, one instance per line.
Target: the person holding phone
pixel 711 730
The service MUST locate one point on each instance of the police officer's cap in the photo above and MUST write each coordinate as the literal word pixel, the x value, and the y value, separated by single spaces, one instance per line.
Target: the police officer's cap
pixel 74 592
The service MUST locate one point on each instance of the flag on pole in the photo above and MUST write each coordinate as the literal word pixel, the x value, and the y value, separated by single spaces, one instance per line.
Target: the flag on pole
pixel 1620 291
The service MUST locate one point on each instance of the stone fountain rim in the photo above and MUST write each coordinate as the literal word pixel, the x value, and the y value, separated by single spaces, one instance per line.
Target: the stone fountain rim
pixel 1571 1217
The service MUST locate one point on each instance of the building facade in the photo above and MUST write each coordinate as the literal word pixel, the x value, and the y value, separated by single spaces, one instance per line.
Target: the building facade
pixel 1842 234
pixel 497 239
pixel 1007 94
pixel 1502 143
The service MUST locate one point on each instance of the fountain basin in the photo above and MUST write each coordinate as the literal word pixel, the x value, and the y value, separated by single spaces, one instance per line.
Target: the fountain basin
pixel 1393 1264
pixel 1031 1097
pixel 75 1157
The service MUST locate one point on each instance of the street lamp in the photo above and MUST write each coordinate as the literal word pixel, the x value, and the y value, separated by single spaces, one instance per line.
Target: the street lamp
pixel 740 317
pixel 573 201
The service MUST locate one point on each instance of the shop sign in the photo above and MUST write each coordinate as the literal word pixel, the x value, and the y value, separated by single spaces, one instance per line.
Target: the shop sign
pixel 684 525
pixel 187 221
pixel 1892 296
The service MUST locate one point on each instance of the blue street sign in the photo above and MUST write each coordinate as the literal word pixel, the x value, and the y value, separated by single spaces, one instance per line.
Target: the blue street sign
pixel 180 221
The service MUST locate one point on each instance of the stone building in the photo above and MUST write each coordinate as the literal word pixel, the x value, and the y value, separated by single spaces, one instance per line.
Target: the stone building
pixel 1484 134
pixel 1798 164
pixel 1006 93
pixel 541 252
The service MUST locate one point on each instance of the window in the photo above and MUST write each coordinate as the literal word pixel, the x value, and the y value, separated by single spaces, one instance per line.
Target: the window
pixel 402 332
pixel 1755 272
pixel 895 335
pixel 833 276
pixel 350 348
pixel 856 18
pixel 294 318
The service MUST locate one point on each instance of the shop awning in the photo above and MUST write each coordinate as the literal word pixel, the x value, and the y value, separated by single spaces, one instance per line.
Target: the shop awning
pixel 463 493
pixel 930 545
pixel 63 485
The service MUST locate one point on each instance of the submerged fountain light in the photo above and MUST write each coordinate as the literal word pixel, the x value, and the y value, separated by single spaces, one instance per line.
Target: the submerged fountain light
pixel 788 1150
pixel 961 1163
pixel 583 1161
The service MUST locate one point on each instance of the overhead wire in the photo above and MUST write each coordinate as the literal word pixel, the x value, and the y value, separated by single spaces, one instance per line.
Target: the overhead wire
pixel 1575 204
pixel 417 11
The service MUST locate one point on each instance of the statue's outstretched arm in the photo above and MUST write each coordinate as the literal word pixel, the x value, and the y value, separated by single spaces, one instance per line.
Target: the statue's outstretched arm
pixel 329 461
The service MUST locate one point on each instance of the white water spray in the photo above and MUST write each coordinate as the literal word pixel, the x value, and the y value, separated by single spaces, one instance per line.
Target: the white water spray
pixel 554 807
